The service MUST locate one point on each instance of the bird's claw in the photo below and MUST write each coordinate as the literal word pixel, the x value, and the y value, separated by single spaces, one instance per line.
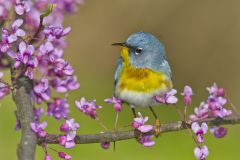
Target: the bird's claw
pixel 157 128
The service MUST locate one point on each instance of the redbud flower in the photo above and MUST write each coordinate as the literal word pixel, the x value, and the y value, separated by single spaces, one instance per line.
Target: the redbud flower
pixel 37 113
pixel 64 156
pixel 139 124
pixel 187 95
pixel 215 90
pixel 219 132
pixel 67 141
pixel 22 7
pixel 47 157
pixel 56 32
pixel 147 141
pixel 117 103
pixel 38 128
pixel 3 11
pixel 69 6
pixel 105 145
pixel 4 89
pixel 62 68
pixel 69 127
pixel 201 152
pixel 42 90
pixel 58 108
pixel 201 112
pixel 88 107
pixel 199 130
pixel 8 37
pixel 168 98
pixel 45 48
pixel 24 55
pixel 67 84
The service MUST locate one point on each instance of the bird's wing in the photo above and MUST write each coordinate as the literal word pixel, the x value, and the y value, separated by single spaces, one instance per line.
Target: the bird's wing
pixel 118 70
pixel 166 68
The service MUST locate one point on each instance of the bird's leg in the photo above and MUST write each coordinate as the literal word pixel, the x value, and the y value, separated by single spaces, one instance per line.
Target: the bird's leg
pixel 134 112
pixel 157 127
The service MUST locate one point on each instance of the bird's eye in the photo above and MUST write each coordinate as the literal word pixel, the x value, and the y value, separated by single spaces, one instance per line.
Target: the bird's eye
pixel 138 51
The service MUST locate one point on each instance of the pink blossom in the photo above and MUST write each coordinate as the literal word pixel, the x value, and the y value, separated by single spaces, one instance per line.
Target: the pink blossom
pixel 47 157
pixel 4 89
pixel 201 112
pixel 68 83
pixel 215 90
pixel 219 132
pixel 69 127
pixel 38 112
pixel 42 90
pixel 24 56
pixel 199 130
pixel 187 95
pixel 64 156
pixel 38 128
pixel 105 145
pixel 167 98
pixel 88 107
pixel 147 141
pixel 58 108
pixel 22 7
pixel 139 124
pixel 11 36
pixel 56 32
pixel 117 103
pixel 201 152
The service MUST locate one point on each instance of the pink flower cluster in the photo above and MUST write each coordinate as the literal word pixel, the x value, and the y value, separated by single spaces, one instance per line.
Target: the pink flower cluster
pixel 35 49
pixel 4 88
pixel 88 107
pixel 139 124
pixel 69 127
pixel 213 106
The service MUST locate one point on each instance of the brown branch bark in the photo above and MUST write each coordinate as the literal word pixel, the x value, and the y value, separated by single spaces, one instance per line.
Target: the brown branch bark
pixel 21 96
pixel 125 135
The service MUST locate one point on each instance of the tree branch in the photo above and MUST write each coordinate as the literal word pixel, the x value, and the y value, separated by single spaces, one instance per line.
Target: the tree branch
pixel 124 135
pixel 22 97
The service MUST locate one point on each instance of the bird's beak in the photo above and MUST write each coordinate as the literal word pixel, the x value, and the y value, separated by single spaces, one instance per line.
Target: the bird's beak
pixel 122 44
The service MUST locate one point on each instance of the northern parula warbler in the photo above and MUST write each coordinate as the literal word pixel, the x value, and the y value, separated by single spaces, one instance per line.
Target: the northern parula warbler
pixel 142 72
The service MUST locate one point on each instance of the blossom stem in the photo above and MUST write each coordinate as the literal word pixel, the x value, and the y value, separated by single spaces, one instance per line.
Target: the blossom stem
pixel 184 118
pixel 179 112
pixel 233 107
pixel 40 27
pixel 101 124
pixel 53 149
pixel 116 120
pixel 185 113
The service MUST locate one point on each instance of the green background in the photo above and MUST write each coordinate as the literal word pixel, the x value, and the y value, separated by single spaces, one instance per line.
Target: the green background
pixel 202 44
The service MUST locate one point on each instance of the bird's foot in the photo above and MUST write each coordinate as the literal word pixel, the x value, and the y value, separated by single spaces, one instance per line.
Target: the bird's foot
pixel 157 128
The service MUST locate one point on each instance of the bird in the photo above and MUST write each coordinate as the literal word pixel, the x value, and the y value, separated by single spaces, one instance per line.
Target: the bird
pixel 142 72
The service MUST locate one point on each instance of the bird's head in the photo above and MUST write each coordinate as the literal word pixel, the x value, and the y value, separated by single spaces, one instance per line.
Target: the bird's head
pixel 142 50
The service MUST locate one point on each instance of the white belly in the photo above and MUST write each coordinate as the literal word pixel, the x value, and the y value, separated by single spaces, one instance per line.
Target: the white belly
pixel 139 99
